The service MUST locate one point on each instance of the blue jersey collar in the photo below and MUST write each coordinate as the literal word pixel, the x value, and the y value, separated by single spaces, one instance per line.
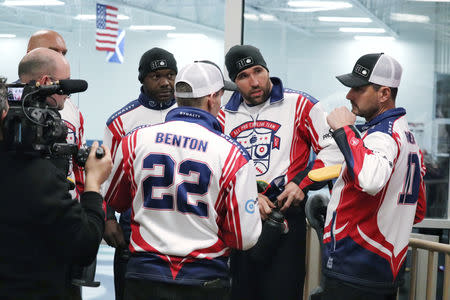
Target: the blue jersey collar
pixel 395 112
pixel 148 102
pixel 194 115
pixel 276 95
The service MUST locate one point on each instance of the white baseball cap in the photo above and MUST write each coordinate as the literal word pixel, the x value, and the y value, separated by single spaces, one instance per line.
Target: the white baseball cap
pixel 204 77
pixel 378 68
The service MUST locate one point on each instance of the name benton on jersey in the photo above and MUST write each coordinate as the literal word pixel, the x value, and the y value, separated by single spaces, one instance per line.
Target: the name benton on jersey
pixel 181 141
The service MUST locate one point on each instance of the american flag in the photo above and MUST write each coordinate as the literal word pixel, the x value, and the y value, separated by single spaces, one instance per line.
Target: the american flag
pixel 107 28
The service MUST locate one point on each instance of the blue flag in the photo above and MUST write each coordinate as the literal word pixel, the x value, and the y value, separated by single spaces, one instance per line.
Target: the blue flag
pixel 118 55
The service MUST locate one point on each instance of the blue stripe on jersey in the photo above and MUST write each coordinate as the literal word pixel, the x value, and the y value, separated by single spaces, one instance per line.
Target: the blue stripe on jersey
pixel 205 119
pixel 384 122
pixel 150 266
pixel 194 115
pixel 357 262
pixel 340 136
pixel 130 106
pixel 306 95
pixel 242 149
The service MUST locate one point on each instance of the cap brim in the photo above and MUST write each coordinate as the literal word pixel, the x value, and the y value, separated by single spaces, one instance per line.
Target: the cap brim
pixel 229 86
pixel 351 80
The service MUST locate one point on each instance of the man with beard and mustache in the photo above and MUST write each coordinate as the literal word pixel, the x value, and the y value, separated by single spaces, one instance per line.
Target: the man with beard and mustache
pixel 157 71
pixel 380 192
pixel 279 127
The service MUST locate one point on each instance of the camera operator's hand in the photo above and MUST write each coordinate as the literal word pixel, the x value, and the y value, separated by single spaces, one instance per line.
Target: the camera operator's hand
pixel 265 206
pixel 113 235
pixel 97 169
pixel 292 195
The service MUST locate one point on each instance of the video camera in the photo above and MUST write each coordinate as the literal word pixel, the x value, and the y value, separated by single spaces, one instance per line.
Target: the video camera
pixel 33 127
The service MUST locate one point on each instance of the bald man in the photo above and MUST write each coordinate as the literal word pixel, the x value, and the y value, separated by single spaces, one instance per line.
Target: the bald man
pixel 47 39
pixel 45 66
pixel 70 114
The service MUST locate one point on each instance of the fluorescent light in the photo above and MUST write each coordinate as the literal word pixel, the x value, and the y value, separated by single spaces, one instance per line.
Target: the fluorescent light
pixel 187 35
pixel 366 30
pixel 373 38
pixel 33 3
pixel 345 19
pixel 322 5
pixel 7 35
pixel 267 17
pixel 93 17
pixel 251 17
pixel 430 0
pixel 84 17
pixel 311 9
pixel 152 27
pixel 410 18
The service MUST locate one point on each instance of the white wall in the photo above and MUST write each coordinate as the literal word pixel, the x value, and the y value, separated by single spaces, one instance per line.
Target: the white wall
pixel 310 64
pixel 113 85
pixel 303 62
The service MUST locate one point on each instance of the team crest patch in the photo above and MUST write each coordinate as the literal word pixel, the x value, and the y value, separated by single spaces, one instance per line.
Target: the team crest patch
pixel 258 138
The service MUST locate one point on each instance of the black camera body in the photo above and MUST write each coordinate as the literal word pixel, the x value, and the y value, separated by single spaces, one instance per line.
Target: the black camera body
pixel 32 127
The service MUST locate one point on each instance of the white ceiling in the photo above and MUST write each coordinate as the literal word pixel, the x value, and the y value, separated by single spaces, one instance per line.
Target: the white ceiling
pixel 210 13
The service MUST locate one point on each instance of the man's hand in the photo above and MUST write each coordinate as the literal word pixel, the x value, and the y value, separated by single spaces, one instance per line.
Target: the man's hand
pixel 341 117
pixel 113 234
pixel 265 206
pixel 292 194
pixel 97 170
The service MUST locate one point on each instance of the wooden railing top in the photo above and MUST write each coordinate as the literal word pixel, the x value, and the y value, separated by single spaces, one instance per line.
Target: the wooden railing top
pixel 428 245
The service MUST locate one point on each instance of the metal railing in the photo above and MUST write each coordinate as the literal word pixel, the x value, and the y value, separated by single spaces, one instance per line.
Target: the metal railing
pixel 415 244
pixel 431 247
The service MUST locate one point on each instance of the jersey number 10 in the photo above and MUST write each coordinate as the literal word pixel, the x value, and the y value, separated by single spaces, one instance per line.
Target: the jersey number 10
pixel 410 193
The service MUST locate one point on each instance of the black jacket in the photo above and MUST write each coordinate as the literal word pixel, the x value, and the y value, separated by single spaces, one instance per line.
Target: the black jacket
pixel 42 230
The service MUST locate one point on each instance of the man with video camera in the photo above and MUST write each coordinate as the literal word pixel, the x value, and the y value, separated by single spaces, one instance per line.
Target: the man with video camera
pixel 44 230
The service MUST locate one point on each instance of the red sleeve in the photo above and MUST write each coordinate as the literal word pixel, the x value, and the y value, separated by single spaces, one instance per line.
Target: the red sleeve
pixel 421 202
pixel 120 192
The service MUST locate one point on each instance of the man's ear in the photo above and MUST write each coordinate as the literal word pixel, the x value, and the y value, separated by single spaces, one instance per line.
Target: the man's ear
pixel 210 102
pixel 45 80
pixel 4 113
pixel 385 93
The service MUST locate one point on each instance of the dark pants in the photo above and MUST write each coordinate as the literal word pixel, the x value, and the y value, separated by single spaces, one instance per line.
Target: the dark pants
pixel 282 276
pixel 121 257
pixel 137 289
pixel 339 290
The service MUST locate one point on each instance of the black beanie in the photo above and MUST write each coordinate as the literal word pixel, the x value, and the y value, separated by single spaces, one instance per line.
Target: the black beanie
pixel 156 59
pixel 241 57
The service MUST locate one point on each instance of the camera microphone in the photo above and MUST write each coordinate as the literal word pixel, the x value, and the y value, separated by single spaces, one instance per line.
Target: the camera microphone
pixel 63 87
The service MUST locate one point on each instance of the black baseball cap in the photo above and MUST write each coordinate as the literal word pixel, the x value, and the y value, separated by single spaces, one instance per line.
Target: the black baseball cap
pixel 378 68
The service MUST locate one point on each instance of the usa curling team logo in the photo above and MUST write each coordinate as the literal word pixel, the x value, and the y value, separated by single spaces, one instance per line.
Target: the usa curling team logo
pixel 258 138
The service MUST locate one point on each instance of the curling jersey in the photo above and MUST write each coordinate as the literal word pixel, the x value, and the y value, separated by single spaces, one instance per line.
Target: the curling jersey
pixel 377 198
pixel 142 111
pixel 193 197
pixel 280 135
pixel 73 119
